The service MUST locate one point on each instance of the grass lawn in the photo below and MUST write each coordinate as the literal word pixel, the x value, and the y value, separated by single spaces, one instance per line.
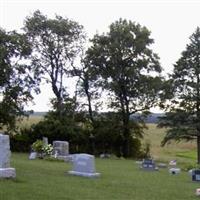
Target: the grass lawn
pixel 120 180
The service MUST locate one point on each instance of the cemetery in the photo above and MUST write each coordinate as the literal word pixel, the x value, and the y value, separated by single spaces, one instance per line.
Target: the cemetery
pixel 111 116
pixel 84 176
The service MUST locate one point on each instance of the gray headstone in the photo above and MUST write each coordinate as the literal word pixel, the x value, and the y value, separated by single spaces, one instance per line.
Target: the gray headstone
pixel 61 148
pixel 5 170
pixel 45 140
pixel 84 165
pixel 196 175
pixel 4 151
pixel 33 156
pixel 148 164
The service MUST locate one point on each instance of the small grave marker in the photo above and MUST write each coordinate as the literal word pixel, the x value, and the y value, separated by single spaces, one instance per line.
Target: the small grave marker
pixel 174 171
pixel 148 164
pixel 196 175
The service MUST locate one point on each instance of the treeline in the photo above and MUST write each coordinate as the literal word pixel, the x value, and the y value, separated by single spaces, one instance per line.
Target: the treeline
pixel 116 70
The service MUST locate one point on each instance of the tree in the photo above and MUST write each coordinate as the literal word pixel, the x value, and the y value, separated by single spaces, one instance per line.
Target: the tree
pixel 129 71
pixel 183 118
pixel 88 87
pixel 56 43
pixel 16 82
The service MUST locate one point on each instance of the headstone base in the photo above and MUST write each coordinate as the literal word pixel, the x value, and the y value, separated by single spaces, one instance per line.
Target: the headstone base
pixel 89 175
pixel 7 173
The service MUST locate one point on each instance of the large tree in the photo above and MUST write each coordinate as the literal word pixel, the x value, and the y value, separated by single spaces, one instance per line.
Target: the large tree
pixel 129 71
pixel 16 82
pixel 183 119
pixel 56 43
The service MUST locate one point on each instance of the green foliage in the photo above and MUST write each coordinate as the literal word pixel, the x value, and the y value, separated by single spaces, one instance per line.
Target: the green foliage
pixel 16 82
pixel 37 146
pixel 128 70
pixel 183 119
pixel 44 149
pixel 55 43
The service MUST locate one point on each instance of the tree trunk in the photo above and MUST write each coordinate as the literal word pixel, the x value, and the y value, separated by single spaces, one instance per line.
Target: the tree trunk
pixel 198 149
pixel 126 134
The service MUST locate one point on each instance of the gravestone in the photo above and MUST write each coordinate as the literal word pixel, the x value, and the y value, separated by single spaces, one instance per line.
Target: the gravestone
pixel 61 149
pixel 45 140
pixel 33 156
pixel 148 164
pixel 196 175
pixel 84 165
pixel 5 170
pixel 174 171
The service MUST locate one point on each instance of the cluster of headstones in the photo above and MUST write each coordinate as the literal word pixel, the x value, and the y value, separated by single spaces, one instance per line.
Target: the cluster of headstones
pixel 83 164
pixel 150 165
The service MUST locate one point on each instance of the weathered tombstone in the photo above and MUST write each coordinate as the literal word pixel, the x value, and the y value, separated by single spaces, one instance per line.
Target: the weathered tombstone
pixel 162 165
pixel 148 164
pixel 84 165
pixel 45 140
pixel 61 149
pixel 5 170
pixel 33 156
pixel 196 175
pixel 174 171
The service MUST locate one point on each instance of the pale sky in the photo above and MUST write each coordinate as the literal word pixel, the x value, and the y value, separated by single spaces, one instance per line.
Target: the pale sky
pixel 171 22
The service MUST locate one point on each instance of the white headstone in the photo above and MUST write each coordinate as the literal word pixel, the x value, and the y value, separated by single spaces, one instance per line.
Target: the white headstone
pixel 174 171
pixel 33 156
pixel 5 170
pixel 83 165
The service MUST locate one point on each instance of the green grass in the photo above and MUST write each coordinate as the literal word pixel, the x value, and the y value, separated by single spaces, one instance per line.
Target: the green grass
pixel 120 180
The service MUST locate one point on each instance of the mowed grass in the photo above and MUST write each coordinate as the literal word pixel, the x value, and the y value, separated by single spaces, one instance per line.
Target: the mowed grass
pixel 120 180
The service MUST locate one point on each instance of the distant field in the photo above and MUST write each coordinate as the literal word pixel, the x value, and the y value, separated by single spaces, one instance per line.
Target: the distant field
pixel 28 121
pixel 184 151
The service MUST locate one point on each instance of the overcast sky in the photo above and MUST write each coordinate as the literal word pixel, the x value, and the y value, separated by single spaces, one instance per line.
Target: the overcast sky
pixel 170 22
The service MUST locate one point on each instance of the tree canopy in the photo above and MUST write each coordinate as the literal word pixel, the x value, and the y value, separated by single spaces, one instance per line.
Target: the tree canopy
pixel 16 82
pixel 183 119
pixel 55 43
pixel 129 71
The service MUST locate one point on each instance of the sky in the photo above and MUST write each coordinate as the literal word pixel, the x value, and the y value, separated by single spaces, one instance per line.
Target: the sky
pixel 171 23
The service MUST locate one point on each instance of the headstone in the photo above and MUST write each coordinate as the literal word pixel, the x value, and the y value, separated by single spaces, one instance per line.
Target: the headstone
pixel 198 191
pixel 61 149
pixel 148 164
pixel 33 156
pixel 84 165
pixel 196 174
pixel 162 165
pixel 5 170
pixel 174 171
pixel 45 140
pixel 105 155
pixel 172 163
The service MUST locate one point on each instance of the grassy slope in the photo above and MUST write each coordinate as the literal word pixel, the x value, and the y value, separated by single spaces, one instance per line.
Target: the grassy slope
pixel 120 180
pixel 183 151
